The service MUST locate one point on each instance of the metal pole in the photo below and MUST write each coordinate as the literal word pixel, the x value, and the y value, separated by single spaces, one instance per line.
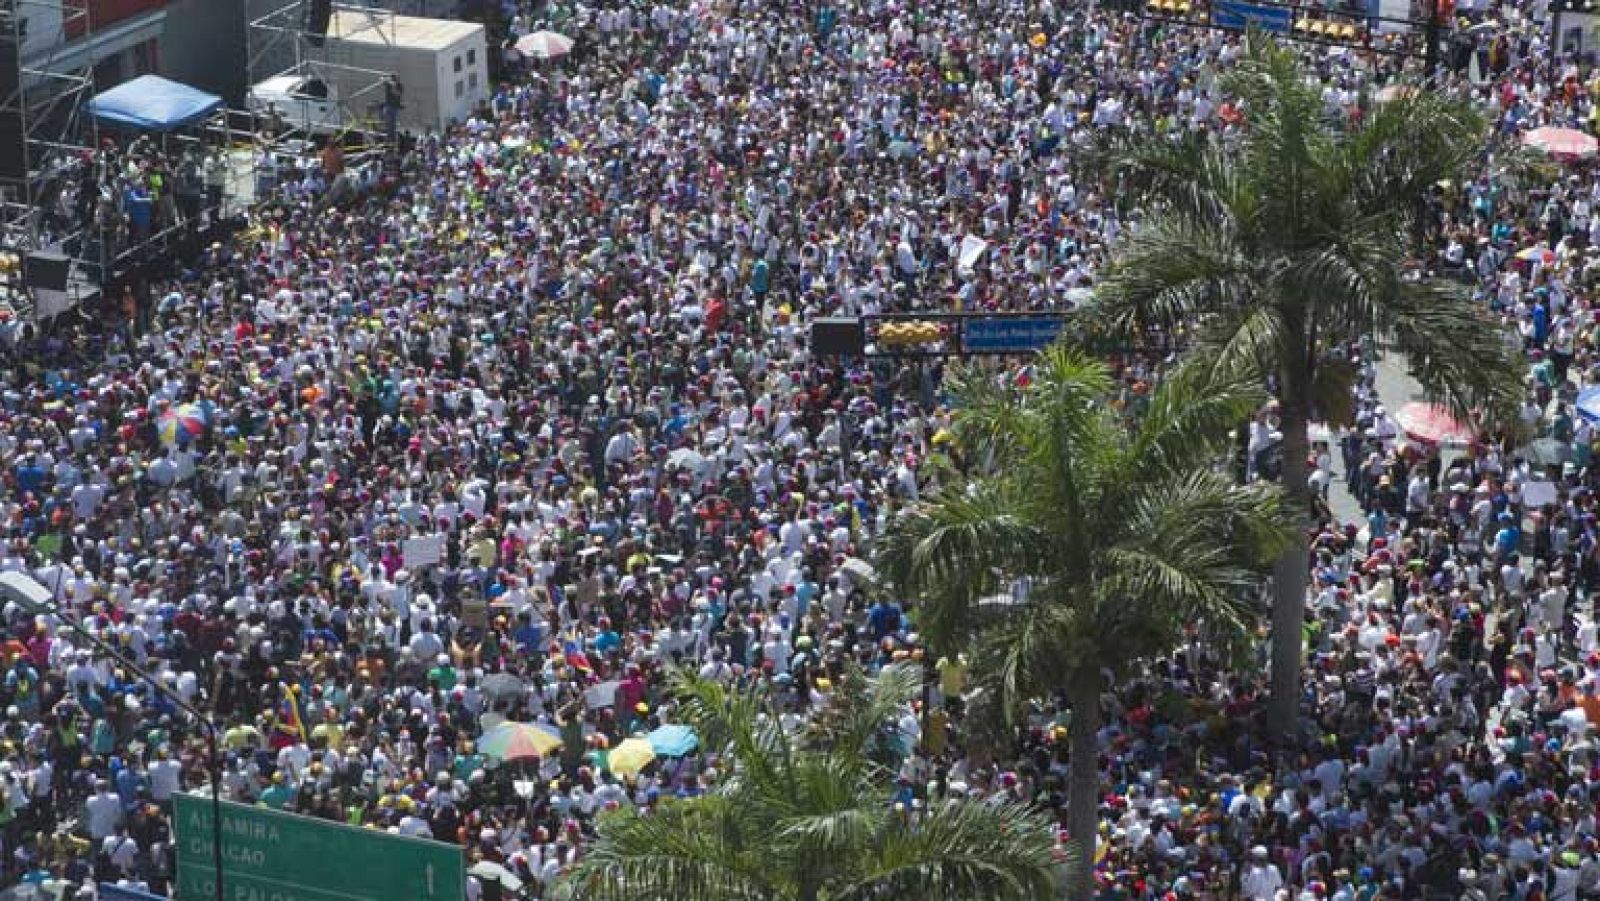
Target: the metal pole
pixel 1555 40
pixel 216 810
pixel 211 736
pixel 1430 58
pixel 928 672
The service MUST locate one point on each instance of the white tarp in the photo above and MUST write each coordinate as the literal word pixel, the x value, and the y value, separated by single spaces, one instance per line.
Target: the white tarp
pixel 24 590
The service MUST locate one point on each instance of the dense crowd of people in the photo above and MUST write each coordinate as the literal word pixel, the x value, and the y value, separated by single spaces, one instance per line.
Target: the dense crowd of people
pixel 509 431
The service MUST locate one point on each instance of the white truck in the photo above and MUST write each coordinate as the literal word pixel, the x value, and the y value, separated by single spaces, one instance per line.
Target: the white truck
pixel 441 64
pixel 301 101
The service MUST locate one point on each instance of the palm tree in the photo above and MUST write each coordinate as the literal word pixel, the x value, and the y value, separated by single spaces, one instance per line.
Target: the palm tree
pixel 1272 247
pixel 812 817
pixel 1123 529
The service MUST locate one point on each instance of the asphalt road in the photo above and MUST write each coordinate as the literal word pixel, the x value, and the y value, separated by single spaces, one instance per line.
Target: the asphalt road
pixel 1396 388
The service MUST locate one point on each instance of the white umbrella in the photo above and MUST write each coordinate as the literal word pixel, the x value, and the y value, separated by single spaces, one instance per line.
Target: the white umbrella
pixel 498 685
pixel 488 869
pixel 860 570
pixel 544 45
pixel 686 458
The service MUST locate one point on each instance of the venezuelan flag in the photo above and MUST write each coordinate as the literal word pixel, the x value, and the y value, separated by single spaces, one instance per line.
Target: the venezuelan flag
pixel 576 658
pixel 289 727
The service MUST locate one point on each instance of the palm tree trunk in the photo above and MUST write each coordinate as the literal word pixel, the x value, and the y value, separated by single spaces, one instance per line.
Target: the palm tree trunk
pixel 1289 573
pixel 1083 789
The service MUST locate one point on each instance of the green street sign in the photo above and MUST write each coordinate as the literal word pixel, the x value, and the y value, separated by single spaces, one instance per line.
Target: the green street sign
pixel 268 855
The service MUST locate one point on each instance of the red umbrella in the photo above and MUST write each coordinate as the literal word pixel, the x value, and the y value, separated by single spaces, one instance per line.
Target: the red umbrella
pixel 1562 143
pixel 1434 424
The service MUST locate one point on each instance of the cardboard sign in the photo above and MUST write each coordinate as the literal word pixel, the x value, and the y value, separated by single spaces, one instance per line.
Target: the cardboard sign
pixel 602 695
pixel 972 247
pixel 427 550
pixel 1538 494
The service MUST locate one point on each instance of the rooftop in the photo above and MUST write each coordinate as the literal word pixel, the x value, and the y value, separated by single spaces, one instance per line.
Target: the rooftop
pixel 379 27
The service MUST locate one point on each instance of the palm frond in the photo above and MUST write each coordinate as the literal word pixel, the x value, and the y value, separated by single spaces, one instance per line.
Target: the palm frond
pixel 735 720
pixel 1348 277
pixel 1404 147
pixel 1458 354
pixel 1189 418
pixel 961 850
pixel 853 727
pixel 1032 650
pixel 1331 389
pixel 1284 144
pixel 796 821
pixel 705 848
pixel 990 425
pixel 1242 343
pixel 1169 275
pixel 826 841
pixel 948 552
pixel 1196 547
pixel 1188 178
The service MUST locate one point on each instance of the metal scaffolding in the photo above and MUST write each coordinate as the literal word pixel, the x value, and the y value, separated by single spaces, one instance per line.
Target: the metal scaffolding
pixel 280 44
pixel 47 107
pixel 49 97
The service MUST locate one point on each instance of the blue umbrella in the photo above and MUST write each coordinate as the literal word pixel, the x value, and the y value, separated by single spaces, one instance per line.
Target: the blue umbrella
pixel 1588 404
pixel 673 740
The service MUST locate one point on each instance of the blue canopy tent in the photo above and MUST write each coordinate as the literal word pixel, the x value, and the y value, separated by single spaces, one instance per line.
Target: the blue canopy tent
pixel 153 103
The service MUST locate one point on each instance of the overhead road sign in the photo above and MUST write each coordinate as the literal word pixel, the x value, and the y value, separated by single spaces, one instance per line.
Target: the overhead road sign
pixel 1236 15
pixel 269 855
pixel 1010 334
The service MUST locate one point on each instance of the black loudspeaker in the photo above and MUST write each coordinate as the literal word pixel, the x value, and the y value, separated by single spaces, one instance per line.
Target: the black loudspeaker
pixel 838 337
pixel 45 271
pixel 13 143
pixel 318 14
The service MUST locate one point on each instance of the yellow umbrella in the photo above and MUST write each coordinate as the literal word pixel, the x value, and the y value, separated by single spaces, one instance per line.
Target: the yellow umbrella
pixel 631 756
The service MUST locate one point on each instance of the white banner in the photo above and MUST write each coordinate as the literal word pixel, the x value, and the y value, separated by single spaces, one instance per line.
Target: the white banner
pixel 427 550
pixel 972 247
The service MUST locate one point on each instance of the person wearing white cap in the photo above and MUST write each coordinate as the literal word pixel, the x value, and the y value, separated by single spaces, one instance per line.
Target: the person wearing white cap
pixel 1261 879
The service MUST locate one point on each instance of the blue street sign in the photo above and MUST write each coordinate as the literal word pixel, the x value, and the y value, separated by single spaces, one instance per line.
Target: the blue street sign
pixel 1239 16
pixel 1009 334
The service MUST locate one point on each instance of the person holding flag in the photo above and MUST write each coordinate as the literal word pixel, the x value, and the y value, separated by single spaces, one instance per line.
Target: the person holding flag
pixel 288 721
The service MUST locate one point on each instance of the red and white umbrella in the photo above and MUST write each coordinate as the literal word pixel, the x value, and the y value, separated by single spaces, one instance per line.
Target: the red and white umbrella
pixel 544 45
pixel 1562 143
pixel 1434 424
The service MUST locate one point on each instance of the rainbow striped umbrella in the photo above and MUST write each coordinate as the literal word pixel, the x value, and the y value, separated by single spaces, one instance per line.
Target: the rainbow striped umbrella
pixel 183 424
pixel 518 741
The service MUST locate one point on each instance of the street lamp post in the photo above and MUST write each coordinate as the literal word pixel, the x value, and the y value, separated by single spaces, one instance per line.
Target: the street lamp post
pixel 36 599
